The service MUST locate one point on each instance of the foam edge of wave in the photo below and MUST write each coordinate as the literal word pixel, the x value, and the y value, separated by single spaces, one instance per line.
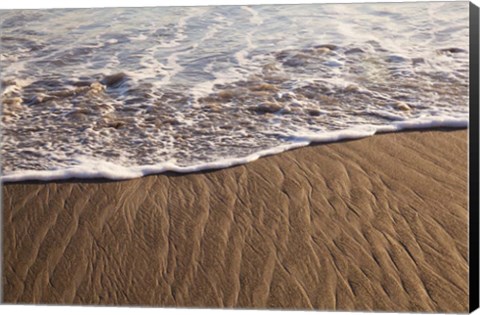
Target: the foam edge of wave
pixel 99 169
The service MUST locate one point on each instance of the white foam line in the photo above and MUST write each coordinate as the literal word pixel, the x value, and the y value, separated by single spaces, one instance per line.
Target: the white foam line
pixel 90 169
pixel 230 74
pixel 173 68
pixel 220 21
pixel 223 77
pixel 172 60
pixel 180 35
pixel 241 55
pixel 255 19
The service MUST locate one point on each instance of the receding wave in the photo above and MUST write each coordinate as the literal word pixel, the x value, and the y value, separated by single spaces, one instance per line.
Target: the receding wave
pixel 189 89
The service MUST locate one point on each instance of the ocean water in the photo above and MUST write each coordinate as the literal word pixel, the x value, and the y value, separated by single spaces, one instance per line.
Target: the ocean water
pixel 124 92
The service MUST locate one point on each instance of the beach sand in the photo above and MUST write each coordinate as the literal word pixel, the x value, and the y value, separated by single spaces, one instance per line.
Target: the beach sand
pixel 373 224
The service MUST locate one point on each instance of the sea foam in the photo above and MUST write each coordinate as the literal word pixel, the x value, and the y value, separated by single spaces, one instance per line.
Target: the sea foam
pixel 187 89
pixel 88 168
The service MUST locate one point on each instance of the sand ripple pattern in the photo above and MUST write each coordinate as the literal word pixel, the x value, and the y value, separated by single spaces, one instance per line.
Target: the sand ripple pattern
pixel 361 225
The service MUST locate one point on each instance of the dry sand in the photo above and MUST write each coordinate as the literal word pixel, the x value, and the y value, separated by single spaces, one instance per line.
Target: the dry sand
pixel 373 224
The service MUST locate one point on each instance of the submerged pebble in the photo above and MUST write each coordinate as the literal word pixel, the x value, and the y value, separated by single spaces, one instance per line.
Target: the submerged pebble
pixel 322 50
pixel 452 50
pixel 264 87
pixel 396 58
pixel 114 80
pixel 314 112
pixel 402 106
pixel 354 51
pixel 267 107
pixel 326 46
pixel 294 62
pixel 97 87
pixel 12 102
pixel 351 88
pixel 416 61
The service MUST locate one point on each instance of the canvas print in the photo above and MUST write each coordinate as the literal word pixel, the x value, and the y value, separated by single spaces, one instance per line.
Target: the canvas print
pixel 309 156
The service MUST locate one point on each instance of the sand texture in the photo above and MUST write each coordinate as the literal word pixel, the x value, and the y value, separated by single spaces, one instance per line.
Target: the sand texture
pixel 373 224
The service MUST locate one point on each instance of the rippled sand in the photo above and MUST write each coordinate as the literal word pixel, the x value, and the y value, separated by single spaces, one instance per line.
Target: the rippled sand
pixel 372 224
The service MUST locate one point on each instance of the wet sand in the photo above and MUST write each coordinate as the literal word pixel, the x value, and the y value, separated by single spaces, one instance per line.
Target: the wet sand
pixel 373 224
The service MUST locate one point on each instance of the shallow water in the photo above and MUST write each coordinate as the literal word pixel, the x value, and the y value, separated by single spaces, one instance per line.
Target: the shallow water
pixel 125 92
